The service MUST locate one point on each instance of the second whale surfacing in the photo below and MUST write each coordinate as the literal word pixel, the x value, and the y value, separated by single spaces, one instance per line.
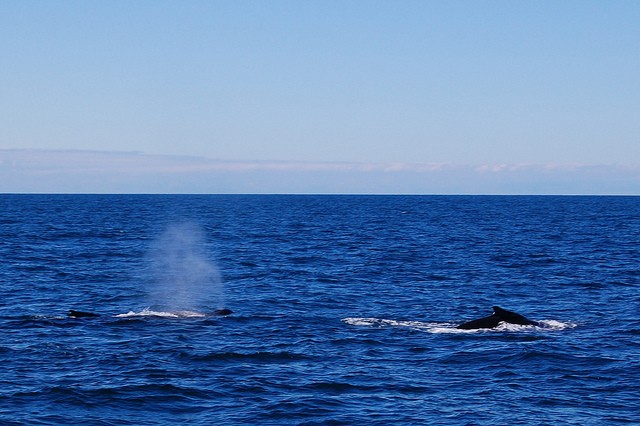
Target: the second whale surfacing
pixel 81 314
pixel 492 321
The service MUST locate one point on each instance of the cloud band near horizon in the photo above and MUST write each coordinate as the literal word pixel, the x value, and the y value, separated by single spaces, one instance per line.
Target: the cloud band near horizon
pixel 79 171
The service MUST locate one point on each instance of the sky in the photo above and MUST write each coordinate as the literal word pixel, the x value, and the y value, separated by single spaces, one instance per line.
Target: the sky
pixel 331 96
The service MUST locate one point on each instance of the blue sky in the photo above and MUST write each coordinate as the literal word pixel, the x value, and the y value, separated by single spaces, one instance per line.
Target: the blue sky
pixel 320 96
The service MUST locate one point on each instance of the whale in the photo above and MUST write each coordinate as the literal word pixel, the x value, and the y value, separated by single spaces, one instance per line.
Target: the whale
pixel 492 321
pixel 72 313
pixel 81 314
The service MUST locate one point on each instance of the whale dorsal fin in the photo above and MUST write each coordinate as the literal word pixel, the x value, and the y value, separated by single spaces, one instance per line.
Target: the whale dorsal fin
pixel 512 317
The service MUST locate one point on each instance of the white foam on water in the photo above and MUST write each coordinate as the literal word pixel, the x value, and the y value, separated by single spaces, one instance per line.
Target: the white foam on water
pixel 162 314
pixel 381 322
pixel 450 328
pixel 557 325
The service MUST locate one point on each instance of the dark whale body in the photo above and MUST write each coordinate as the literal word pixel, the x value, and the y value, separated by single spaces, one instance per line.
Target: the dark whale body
pixel 499 315
pixel 82 314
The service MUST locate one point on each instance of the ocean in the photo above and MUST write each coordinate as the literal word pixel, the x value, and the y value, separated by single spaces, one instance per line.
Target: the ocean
pixel 344 310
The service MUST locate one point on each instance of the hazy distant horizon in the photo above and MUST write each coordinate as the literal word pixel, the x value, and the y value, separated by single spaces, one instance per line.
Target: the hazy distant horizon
pixel 79 171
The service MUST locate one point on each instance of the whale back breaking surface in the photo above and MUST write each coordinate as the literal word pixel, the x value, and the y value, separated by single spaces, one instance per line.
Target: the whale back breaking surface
pixel 491 321
pixel 72 313
pixel 81 314
pixel 499 315
pixel 512 317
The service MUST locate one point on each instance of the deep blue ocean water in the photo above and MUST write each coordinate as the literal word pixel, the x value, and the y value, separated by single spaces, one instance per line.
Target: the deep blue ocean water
pixel 344 310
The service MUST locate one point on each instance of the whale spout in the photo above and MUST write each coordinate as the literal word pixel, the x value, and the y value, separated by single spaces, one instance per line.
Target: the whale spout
pixel 499 315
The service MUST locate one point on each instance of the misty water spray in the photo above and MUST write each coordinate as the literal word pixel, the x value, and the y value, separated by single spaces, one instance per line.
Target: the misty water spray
pixel 183 275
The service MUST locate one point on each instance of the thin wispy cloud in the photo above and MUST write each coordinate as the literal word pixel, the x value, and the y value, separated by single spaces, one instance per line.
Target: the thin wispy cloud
pixel 60 161
pixel 81 171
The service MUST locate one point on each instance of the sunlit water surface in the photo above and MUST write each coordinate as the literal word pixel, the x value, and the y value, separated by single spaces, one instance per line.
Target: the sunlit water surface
pixel 344 310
